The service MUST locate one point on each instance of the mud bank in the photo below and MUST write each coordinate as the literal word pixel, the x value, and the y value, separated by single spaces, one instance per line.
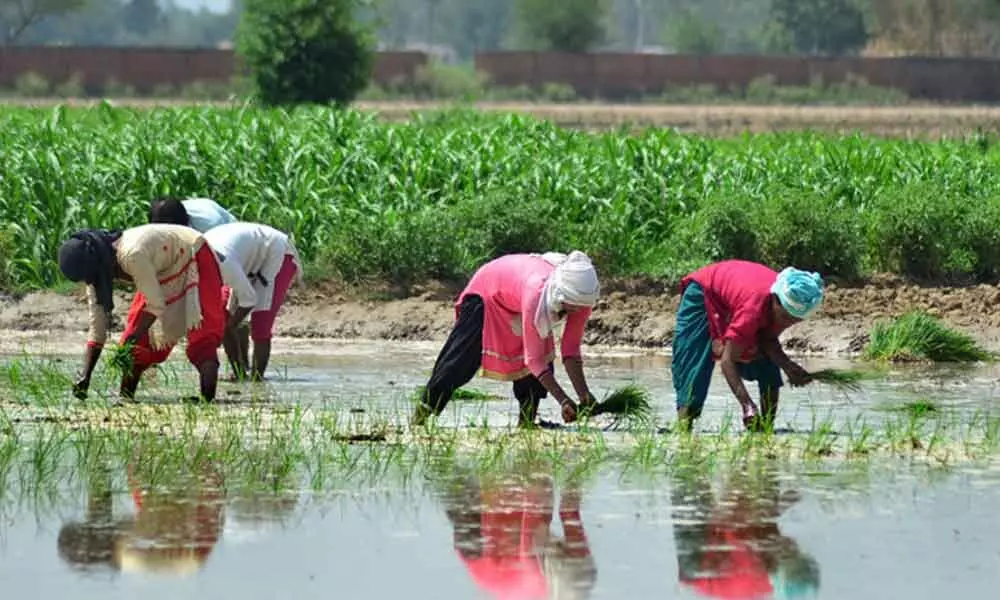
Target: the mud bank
pixel 635 313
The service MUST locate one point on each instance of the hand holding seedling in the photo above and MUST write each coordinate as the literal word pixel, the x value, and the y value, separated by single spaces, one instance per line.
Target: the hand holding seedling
pixel 568 411
pixel 797 376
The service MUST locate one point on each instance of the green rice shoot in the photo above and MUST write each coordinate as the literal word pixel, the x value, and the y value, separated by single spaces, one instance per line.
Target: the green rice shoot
pixel 120 358
pixel 842 379
pixel 630 403
pixel 920 337
pixel 459 394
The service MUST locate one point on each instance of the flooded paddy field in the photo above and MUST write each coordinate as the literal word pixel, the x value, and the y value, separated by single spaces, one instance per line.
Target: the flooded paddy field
pixel 311 484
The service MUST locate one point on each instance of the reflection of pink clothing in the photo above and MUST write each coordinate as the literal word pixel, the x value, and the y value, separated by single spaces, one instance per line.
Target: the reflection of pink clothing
pixel 509 567
pixel 511 287
pixel 737 572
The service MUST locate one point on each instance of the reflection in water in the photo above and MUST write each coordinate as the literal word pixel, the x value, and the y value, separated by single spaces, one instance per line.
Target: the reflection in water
pixel 173 530
pixel 502 534
pixel 730 546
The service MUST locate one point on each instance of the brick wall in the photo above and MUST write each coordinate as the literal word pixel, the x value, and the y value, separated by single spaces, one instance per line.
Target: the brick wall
pixel 622 75
pixel 597 75
pixel 146 68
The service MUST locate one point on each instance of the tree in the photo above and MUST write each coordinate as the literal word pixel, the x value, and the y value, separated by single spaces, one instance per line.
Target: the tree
pixel 142 16
pixel 935 27
pixel 563 25
pixel 305 51
pixel 690 33
pixel 828 27
pixel 17 16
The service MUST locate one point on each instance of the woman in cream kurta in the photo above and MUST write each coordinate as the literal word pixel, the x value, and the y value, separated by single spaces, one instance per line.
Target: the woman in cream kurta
pixel 179 294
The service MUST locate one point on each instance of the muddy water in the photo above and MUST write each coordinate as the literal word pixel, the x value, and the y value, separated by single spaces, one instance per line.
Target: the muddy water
pixel 895 532
pixel 887 529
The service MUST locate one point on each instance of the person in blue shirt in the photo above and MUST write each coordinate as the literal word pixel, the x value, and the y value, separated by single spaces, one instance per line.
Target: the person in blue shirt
pixel 201 214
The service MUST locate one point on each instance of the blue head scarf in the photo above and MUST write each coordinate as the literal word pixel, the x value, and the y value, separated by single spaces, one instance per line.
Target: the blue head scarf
pixel 800 292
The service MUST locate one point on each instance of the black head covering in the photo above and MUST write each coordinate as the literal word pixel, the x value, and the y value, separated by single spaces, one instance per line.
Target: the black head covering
pixel 88 256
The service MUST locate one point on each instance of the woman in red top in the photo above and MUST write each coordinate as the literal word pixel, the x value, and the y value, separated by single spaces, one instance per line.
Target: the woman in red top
pixel 733 312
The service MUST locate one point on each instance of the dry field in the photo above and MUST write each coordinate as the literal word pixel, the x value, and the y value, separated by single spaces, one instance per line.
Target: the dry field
pixel 916 121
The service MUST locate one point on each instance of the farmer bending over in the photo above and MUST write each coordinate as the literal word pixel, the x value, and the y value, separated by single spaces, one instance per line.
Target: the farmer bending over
pixel 733 312
pixel 178 294
pixel 258 264
pixel 505 319
pixel 201 214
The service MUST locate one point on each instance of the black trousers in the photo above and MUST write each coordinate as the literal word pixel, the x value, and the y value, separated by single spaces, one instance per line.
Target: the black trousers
pixel 460 359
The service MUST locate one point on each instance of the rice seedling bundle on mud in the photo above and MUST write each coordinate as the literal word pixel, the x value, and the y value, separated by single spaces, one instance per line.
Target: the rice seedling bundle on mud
pixel 919 337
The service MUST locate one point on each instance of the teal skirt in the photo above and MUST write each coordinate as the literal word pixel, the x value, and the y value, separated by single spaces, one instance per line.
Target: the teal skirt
pixel 692 365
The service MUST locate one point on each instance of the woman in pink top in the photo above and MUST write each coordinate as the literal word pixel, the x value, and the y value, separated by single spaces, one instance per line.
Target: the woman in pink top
pixel 505 320
pixel 733 312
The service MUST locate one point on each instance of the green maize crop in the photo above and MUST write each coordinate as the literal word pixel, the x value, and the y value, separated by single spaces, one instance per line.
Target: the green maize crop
pixel 437 196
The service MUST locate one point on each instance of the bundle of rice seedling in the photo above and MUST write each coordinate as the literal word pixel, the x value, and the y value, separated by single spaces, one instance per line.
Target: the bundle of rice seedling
pixel 120 359
pixel 917 336
pixel 460 394
pixel 840 378
pixel 631 402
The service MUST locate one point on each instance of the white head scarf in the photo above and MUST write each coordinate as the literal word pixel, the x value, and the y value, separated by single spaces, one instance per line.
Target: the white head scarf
pixel 574 281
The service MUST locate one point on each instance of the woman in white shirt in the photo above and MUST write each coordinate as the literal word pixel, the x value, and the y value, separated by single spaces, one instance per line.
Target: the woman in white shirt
pixel 258 265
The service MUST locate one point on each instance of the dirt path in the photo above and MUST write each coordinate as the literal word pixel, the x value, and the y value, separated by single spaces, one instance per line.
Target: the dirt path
pixel 915 120
pixel 636 313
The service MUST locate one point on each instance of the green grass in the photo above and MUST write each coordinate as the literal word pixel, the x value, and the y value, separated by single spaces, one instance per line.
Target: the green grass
pixel 367 200
pixel 919 337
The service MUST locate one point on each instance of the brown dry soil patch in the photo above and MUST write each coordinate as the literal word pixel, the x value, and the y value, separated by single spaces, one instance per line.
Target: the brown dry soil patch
pixel 910 120
pixel 633 312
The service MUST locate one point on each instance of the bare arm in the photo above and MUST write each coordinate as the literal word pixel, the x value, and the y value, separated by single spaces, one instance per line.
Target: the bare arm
pixel 730 352
pixel 574 369
pixel 146 321
pixel 548 380
pixel 773 350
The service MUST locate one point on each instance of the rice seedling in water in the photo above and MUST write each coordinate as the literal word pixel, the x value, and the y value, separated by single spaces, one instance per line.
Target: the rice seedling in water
pixel 630 403
pixel 918 337
pixel 460 394
pixel 848 380
pixel 917 408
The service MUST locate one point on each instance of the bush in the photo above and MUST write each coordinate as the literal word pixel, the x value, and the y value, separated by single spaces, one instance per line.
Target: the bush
pixel 71 88
pixel 981 238
pixel 305 51
pixel 557 92
pixel 782 227
pixel 920 231
pixel 116 89
pixel 438 81
pixel 399 247
pixel 31 85
pixel 500 224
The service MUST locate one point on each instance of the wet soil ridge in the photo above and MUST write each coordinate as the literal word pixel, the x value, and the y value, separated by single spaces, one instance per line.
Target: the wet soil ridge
pixel 632 312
